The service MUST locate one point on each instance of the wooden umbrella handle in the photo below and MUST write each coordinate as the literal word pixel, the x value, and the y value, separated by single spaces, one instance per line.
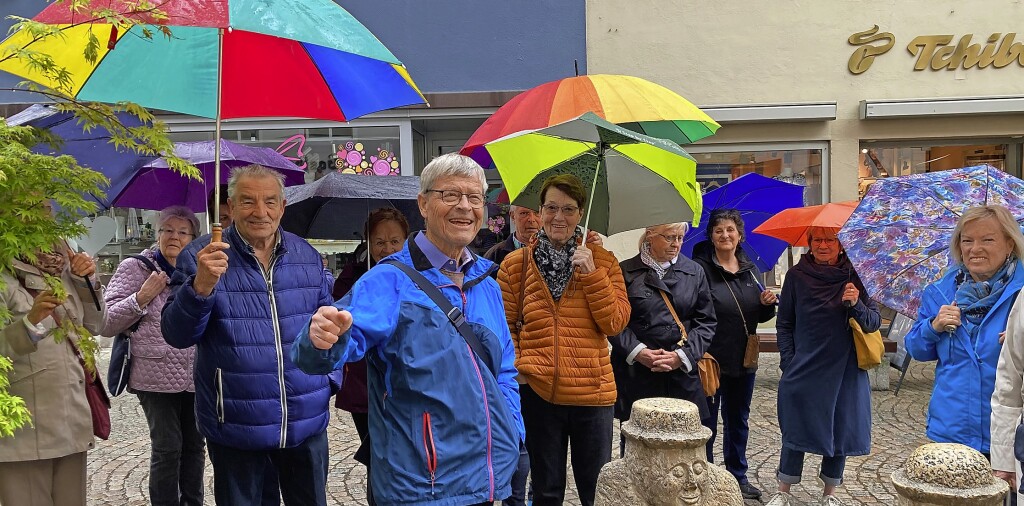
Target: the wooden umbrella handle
pixel 215 233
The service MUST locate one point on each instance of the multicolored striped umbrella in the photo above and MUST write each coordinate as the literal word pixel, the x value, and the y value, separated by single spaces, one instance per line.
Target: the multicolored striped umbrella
pixel 225 59
pixel 631 102
pixel 294 58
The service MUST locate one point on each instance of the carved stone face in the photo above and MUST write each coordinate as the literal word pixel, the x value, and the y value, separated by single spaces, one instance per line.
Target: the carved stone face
pixel 685 483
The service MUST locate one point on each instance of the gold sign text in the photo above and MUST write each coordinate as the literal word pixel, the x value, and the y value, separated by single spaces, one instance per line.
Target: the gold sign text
pixel 938 52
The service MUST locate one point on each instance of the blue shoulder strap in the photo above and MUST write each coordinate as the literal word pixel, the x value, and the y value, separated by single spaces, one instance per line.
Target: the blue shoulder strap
pixel 454 314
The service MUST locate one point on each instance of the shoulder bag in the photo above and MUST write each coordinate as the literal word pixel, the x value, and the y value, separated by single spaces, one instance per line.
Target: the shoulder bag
pixel 753 350
pixel 707 366
pixel 868 346
pixel 120 367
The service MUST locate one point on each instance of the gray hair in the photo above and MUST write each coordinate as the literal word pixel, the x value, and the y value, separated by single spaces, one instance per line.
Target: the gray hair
pixel 451 164
pixel 253 171
pixel 682 227
pixel 180 212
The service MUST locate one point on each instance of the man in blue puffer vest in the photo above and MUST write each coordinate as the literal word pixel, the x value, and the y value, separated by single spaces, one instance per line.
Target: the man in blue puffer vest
pixel 241 302
pixel 445 423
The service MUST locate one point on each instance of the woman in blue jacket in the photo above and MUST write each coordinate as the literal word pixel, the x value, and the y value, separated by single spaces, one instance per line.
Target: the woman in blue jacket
pixel 959 322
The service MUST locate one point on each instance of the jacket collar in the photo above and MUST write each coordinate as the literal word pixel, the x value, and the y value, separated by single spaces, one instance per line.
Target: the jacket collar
pixel 683 265
pixel 412 253
pixel 236 240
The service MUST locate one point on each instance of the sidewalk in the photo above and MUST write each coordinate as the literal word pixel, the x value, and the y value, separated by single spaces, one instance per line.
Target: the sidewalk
pixel 119 468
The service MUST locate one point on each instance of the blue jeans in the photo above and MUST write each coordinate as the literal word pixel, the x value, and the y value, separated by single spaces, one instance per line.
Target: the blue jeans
pixel 518 497
pixel 791 466
pixel 239 475
pixel 733 399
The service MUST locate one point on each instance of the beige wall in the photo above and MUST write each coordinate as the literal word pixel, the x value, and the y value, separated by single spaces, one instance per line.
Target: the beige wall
pixel 783 51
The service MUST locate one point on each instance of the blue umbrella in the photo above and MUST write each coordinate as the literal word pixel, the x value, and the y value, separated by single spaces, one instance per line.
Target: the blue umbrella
pixel 91 149
pixel 757 198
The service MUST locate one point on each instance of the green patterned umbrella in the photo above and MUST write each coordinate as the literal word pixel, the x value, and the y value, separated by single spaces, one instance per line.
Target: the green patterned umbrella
pixel 635 181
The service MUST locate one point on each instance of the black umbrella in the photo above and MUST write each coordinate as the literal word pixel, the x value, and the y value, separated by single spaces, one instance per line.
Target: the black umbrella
pixel 336 205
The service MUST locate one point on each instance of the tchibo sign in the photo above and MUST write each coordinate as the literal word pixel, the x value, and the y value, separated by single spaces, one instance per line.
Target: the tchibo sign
pixel 938 52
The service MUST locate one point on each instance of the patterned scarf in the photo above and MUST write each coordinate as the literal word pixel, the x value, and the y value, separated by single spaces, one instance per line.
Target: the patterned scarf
pixel 648 260
pixel 51 263
pixel 976 298
pixel 554 264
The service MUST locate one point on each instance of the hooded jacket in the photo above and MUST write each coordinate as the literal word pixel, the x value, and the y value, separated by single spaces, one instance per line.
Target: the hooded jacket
pixel 249 394
pixel 965 373
pixel 444 429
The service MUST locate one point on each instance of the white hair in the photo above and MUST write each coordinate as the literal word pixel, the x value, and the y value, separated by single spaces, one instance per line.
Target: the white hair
pixel 451 164
pixel 682 227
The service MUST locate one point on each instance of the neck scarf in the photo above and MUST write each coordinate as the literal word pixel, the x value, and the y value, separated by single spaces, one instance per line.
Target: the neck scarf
pixel 648 260
pixel 976 298
pixel 51 263
pixel 555 264
pixel 163 263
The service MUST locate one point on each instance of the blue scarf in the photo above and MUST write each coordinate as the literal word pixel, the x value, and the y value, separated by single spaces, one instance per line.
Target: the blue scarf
pixel 976 298
pixel 163 263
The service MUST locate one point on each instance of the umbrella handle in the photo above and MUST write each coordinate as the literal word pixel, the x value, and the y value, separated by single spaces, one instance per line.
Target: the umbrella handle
pixel 215 233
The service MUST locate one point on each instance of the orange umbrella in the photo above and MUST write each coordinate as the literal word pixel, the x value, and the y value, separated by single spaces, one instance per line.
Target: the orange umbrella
pixel 791 225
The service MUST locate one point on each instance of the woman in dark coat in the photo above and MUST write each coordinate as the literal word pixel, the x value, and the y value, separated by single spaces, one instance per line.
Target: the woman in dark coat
pixel 386 230
pixel 647 357
pixel 732 278
pixel 824 398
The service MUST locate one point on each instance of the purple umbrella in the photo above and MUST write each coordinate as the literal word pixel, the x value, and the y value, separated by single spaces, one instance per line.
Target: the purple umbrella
pixel 91 149
pixel 155 186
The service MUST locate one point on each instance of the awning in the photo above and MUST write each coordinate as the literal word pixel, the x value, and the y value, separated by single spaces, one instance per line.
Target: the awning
pixel 925 107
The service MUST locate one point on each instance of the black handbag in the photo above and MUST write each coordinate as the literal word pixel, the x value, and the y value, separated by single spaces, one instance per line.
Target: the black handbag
pixel 1018 448
pixel 121 351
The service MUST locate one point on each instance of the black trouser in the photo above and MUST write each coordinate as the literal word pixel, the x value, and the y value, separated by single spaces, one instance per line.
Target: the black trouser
pixel 549 430
pixel 238 475
pixel 177 458
pixel 362 423
pixel 733 398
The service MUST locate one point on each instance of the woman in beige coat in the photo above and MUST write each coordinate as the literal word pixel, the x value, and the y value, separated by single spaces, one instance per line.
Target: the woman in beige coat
pixel 1008 400
pixel 45 463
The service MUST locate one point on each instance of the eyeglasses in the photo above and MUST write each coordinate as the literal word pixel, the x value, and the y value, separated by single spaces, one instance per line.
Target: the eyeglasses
pixel 822 240
pixel 179 233
pixel 671 238
pixel 553 209
pixel 453 197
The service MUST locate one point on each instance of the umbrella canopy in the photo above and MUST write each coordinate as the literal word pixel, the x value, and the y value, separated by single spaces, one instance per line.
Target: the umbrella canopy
pixel 92 149
pixel 634 180
pixel 631 102
pixel 898 238
pixel 757 198
pixel 791 225
pixel 336 205
pixel 155 186
pixel 299 58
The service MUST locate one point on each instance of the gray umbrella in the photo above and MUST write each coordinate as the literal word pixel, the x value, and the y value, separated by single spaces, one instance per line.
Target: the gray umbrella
pixel 336 205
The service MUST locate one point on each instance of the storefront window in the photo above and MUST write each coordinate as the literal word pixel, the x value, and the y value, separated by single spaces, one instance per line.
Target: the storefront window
pixel 877 162
pixel 797 166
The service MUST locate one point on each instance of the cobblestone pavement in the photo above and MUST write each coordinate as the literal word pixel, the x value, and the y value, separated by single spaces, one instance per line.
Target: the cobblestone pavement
pixel 119 468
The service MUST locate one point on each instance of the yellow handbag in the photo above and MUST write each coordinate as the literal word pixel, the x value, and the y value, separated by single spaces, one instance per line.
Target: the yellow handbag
pixel 868 345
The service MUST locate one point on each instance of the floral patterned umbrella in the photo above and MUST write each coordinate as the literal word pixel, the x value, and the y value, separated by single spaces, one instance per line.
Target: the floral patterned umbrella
pixel 898 237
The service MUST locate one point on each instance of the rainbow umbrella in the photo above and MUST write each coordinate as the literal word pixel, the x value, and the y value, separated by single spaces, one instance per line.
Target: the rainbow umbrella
pixel 630 102
pixel 225 59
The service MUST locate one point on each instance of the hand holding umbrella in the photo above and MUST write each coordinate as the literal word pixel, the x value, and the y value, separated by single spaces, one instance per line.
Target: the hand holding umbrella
pixel 83 265
pixel 948 318
pixel 212 264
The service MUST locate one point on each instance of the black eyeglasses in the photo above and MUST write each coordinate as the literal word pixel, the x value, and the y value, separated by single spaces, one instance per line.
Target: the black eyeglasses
pixel 453 197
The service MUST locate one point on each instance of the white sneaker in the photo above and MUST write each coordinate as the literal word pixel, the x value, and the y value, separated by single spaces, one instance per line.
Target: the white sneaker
pixel 830 500
pixel 781 499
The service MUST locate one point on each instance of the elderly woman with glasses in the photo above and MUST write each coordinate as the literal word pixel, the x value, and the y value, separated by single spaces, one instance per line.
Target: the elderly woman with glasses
pixel 653 356
pixel 160 375
pixel 562 301
pixel 824 402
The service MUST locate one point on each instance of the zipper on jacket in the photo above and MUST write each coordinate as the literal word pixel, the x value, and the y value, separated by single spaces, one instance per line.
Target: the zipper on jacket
pixel 555 374
pixel 483 394
pixel 220 396
pixel 429 449
pixel 277 347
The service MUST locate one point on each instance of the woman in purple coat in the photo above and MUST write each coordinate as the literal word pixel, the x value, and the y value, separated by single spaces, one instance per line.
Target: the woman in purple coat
pixel 161 376
pixel 386 230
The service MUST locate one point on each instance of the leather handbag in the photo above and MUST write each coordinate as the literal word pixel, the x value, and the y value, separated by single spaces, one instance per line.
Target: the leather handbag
pixel 99 403
pixel 752 351
pixel 707 367
pixel 120 368
pixel 868 345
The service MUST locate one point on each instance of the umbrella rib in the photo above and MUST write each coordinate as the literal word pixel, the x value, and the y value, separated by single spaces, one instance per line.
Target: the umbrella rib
pixel 932 195
pixel 894 277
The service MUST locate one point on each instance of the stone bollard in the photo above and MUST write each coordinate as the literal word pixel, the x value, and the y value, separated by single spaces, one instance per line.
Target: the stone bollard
pixel 946 474
pixel 878 377
pixel 665 463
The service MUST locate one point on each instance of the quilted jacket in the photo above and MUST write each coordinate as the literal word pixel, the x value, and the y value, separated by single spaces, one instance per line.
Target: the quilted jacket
pixel 562 350
pixel 249 394
pixel 156 365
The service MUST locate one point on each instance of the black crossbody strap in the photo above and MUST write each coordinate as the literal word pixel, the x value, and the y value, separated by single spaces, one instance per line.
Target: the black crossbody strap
pixel 453 313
